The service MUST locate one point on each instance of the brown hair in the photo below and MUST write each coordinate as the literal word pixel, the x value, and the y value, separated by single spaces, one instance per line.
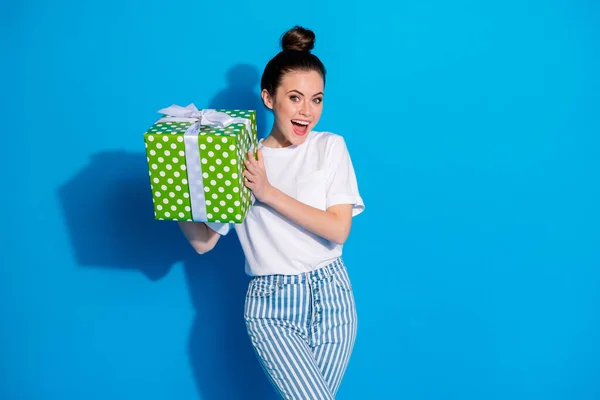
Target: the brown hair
pixel 296 45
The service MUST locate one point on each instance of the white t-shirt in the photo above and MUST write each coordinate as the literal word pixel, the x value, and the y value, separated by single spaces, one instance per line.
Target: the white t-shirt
pixel 319 172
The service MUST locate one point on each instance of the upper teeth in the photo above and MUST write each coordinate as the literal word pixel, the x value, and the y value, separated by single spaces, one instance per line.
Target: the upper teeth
pixel 300 122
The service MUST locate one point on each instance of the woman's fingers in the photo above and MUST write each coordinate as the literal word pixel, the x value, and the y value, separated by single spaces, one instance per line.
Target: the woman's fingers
pixel 252 167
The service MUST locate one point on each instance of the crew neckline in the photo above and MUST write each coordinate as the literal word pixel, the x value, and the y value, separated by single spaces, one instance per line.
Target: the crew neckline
pixel 280 151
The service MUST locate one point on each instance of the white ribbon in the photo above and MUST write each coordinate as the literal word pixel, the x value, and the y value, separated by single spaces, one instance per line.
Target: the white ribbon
pixel 210 117
pixel 198 118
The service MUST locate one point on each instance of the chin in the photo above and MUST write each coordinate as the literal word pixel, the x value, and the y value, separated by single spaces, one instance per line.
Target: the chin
pixel 295 139
pixel 294 136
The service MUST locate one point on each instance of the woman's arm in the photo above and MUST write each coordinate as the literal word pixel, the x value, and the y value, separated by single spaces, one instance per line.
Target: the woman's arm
pixel 333 224
pixel 201 237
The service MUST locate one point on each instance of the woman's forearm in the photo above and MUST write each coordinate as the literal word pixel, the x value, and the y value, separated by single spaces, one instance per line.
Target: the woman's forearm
pixel 201 237
pixel 333 224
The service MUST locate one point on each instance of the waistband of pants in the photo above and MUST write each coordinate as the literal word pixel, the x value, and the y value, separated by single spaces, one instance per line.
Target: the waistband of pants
pixel 311 276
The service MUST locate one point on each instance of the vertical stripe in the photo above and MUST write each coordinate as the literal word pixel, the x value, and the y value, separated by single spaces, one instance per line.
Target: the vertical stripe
pixel 303 329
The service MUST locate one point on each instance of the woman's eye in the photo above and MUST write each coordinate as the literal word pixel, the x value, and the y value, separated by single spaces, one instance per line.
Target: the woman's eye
pixel 318 100
pixel 294 98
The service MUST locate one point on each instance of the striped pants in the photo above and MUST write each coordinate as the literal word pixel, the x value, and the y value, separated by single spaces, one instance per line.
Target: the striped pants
pixel 303 329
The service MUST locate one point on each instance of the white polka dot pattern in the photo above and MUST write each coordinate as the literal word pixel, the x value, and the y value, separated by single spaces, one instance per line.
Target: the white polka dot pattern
pixel 222 155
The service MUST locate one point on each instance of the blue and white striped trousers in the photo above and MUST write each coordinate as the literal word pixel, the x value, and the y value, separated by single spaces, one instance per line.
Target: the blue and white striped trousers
pixel 303 329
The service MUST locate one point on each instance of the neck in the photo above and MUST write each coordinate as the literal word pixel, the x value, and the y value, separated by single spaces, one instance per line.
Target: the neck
pixel 276 139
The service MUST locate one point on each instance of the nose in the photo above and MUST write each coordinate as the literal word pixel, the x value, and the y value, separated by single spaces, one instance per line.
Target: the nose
pixel 305 109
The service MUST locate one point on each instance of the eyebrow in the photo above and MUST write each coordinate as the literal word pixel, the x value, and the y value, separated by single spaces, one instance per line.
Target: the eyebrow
pixel 302 94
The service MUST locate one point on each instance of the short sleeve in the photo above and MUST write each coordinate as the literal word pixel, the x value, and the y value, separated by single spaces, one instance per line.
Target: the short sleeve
pixel 342 185
pixel 221 228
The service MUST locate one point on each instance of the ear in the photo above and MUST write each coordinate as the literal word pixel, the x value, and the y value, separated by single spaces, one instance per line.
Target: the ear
pixel 267 99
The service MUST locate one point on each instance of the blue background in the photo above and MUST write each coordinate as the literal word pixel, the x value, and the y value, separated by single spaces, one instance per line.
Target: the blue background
pixel 474 130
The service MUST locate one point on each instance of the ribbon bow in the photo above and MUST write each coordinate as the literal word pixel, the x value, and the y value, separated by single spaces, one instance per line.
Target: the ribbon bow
pixel 203 117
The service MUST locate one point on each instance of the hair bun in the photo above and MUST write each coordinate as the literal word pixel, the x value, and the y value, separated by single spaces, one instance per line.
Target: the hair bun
pixel 298 39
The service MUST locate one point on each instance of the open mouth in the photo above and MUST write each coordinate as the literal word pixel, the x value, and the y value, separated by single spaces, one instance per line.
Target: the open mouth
pixel 300 126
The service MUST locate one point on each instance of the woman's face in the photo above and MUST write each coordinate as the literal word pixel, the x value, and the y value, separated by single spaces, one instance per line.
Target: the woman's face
pixel 297 105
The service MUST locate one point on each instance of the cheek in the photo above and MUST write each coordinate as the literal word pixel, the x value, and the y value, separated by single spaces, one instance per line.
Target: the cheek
pixel 285 111
pixel 317 110
pixel 282 116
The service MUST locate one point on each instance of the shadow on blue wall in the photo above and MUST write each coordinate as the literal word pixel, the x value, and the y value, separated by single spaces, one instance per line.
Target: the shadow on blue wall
pixel 109 213
pixel 240 94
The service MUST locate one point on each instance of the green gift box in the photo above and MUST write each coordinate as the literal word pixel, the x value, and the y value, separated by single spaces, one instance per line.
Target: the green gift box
pixel 196 163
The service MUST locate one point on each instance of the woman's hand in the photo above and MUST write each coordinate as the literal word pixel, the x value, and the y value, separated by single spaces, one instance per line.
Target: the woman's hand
pixel 333 224
pixel 256 177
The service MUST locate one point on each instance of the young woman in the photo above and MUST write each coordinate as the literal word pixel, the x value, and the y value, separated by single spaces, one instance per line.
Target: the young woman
pixel 300 311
